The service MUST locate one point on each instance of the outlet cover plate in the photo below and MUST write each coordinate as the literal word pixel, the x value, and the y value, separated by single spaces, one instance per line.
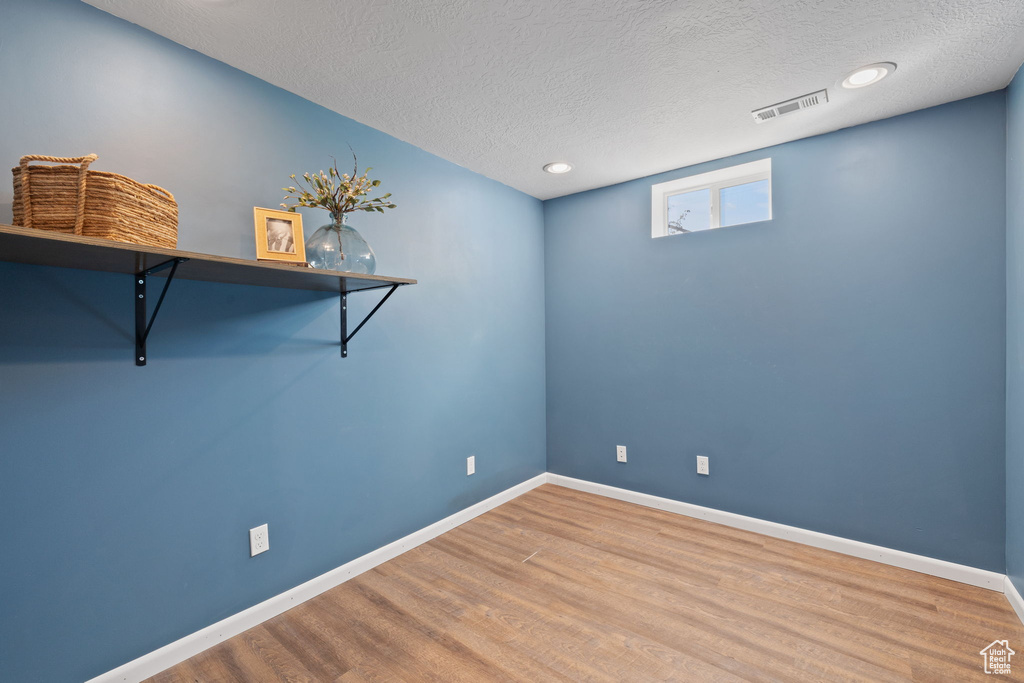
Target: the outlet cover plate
pixel 702 465
pixel 259 540
pixel 620 453
pixel 470 465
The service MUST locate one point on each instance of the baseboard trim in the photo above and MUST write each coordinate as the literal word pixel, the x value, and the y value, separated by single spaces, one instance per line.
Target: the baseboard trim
pixel 1013 597
pixel 191 645
pixel 897 558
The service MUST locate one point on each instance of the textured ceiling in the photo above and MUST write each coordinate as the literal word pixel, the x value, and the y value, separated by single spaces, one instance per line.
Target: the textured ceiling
pixel 619 88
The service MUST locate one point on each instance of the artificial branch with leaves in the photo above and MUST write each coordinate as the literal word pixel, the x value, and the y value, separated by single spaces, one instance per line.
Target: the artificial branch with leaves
pixel 337 192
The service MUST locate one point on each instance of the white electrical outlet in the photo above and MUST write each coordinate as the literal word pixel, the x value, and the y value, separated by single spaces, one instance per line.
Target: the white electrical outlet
pixel 470 465
pixel 702 464
pixel 259 540
pixel 620 453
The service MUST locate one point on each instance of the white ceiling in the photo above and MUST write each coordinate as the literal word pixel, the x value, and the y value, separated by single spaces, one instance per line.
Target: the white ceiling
pixel 619 88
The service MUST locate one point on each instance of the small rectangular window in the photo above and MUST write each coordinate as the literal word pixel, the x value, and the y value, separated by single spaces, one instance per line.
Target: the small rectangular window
pixel 730 196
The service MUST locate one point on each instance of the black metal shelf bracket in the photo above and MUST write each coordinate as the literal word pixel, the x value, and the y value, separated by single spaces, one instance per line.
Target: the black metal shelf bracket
pixel 144 323
pixel 345 336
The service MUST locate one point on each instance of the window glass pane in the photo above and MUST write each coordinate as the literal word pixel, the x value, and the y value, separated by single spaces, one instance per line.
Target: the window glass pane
pixel 689 211
pixel 746 203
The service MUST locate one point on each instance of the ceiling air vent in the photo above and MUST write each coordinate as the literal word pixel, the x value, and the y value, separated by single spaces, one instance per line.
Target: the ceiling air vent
pixel 789 106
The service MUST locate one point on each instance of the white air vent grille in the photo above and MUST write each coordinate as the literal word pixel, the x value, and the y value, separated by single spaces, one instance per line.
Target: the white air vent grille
pixel 789 106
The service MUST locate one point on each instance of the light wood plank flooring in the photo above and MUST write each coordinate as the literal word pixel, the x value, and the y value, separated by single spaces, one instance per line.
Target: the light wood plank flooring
pixel 559 585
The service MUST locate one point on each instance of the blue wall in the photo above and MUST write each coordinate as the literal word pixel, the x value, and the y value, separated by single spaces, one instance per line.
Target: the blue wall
pixel 126 493
pixel 1015 331
pixel 842 365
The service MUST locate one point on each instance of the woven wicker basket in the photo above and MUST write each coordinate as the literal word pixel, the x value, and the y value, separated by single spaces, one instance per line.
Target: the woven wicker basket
pixel 77 201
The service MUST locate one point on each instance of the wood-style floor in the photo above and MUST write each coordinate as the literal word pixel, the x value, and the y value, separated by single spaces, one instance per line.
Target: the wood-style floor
pixel 559 585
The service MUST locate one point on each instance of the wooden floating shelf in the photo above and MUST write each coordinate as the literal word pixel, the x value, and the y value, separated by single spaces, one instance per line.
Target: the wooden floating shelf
pixel 46 248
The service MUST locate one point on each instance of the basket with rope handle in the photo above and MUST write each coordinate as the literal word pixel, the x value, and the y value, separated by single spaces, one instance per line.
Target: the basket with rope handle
pixel 77 201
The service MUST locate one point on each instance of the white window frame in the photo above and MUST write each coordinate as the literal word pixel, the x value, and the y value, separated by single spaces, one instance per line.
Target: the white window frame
pixel 715 181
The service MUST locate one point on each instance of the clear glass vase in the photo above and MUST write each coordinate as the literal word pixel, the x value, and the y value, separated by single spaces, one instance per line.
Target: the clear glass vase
pixel 336 246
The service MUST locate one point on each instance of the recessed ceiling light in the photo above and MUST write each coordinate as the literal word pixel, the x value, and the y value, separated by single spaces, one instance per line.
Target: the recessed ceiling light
pixel 558 167
pixel 866 75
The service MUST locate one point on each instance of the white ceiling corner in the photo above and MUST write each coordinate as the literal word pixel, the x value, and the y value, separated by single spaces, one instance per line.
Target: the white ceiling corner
pixel 621 89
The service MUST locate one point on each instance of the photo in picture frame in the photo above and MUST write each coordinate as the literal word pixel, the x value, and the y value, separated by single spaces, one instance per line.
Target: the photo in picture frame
pixel 279 236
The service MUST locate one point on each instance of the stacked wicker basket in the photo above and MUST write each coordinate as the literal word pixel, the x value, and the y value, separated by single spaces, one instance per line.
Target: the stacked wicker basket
pixel 75 200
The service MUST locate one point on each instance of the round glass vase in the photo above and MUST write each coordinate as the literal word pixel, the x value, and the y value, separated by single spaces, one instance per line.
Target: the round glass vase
pixel 336 246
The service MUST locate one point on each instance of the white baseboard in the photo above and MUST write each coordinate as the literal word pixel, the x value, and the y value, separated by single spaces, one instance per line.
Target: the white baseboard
pixel 897 558
pixel 191 645
pixel 1016 602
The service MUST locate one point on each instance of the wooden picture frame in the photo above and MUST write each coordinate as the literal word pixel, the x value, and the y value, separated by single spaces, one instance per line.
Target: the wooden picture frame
pixel 279 236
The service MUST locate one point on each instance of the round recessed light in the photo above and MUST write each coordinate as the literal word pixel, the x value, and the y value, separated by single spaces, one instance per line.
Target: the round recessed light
pixel 866 75
pixel 558 167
